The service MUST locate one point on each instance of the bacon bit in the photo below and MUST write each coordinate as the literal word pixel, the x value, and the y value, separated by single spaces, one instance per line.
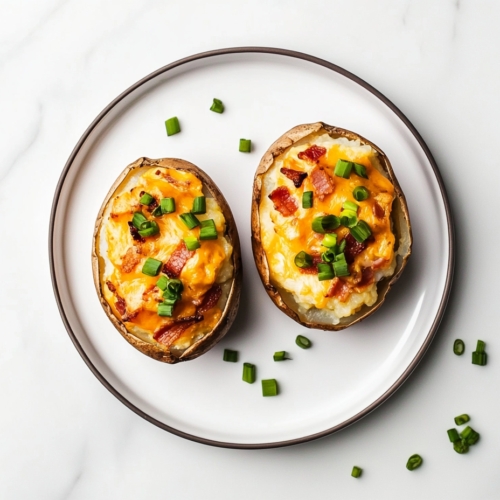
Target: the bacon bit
pixel 379 263
pixel 296 176
pixel 177 260
pixel 171 180
pixel 367 277
pixel 284 203
pixel 167 334
pixel 151 207
pixel 378 211
pixel 352 248
pixel 322 182
pixel 130 317
pixel 314 268
pixel 339 289
pixel 141 193
pixel 210 299
pixel 158 172
pixel 313 153
pixel 130 260
pixel 121 305
pixel 135 233
pixel 111 287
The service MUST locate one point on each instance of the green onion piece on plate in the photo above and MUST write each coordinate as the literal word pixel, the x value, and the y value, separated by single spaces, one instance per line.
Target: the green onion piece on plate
pixel 330 240
pixel 245 145
pixel 360 170
pixel 460 447
pixel 303 260
pixel 208 230
pixel 479 358
pixel 348 218
pixel 307 199
pixel 165 309
pixel 325 223
pixel 217 106
pixel 192 243
pixel 146 199
pixel 350 205
pixel 230 356
pixel 199 205
pixel 167 205
pixel 138 219
pixel 303 342
pixel 480 346
pixel 356 472
pixel 269 388
pixel 172 126
pixel 469 436
pixel 414 462
pixel 458 347
pixel 453 435
pixel 149 228
pixel 462 419
pixel 361 231
pixel 280 356
pixel 151 267
pixel 325 272
pixel 189 220
pixel 343 169
pixel 248 373
pixel 162 283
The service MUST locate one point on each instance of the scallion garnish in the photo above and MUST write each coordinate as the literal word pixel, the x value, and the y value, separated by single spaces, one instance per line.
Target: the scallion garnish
pixel 245 145
pixel 340 266
pixel 269 388
pixel 343 169
pixel 217 106
pixel 479 356
pixel 151 267
pixel 414 462
pixel 172 126
pixel 325 272
pixel 189 220
pixel 303 260
pixel 360 193
pixel 328 256
pixel 248 373
pixel 356 472
pixel 167 205
pixel 480 346
pixel 157 212
pixel 361 231
pixel 146 199
pixel 165 309
pixel 325 223
pixel 303 342
pixel 453 435
pixel 230 356
pixel 280 356
pixel 360 170
pixel 138 219
pixel 162 283
pixel 348 218
pixel 460 447
pixel 149 228
pixel 342 246
pixel 458 347
pixel 469 436
pixel 462 419
pixel 330 240
pixel 199 205
pixel 192 243
pixel 307 199
pixel 208 230
pixel 350 205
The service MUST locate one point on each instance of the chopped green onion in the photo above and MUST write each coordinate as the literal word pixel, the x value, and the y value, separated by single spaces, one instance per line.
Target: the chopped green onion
pixel 230 356
pixel 192 243
pixel 157 212
pixel 280 356
pixel 350 205
pixel 458 347
pixel 360 193
pixel 414 462
pixel 303 342
pixel 208 230
pixel 343 168
pixel 348 218
pixel 462 419
pixel 175 286
pixel 360 170
pixel 146 199
pixel 138 219
pixel 172 125
pixel 340 266
pixel 151 267
pixel 170 298
pixel 190 220
pixel 325 272
pixel 149 228
pixel 199 205
pixel 307 199
pixel 217 106
pixel 245 145
pixel 479 358
pixel 356 472
pixel 328 256
pixel 453 435
pixel 325 223
pixel 162 283
pixel 361 231
pixel 342 246
pixel 480 346
pixel 165 309
pixel 248 373
pixel 269 388
pixel 330 240
pixel 469 436
pixel 303 260
pixel 460 447
pixel 167 205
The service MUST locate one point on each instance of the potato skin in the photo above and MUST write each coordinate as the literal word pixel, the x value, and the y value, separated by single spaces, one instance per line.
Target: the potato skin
pixel 400 218
pixel 157 351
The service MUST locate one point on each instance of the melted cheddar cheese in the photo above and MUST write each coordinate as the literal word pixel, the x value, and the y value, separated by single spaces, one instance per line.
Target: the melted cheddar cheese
pixel 124 257
pixel 284 237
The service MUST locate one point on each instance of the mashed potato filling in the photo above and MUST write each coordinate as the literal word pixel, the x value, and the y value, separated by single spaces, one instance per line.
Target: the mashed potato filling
pixel 284 237
pixel 125 256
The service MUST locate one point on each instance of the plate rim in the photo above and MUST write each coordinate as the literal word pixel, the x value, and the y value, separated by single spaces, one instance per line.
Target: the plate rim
pixel 449 272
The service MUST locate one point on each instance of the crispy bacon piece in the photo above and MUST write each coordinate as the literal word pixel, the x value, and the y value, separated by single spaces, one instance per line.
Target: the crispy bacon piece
pixel 167 334
pixel 296 176
pixel 352 248
pixel 171 180
pixel 367 276
pixel 284 203
pixel 121 305
pixel 378 211
pixel 313 153
pixel 130 260
pixel 151 207
pixel 135 233
pixel 322 182
pixel 339 289
pixel 314 268
pixel 111 287
pixel 210 299
pixel 177 260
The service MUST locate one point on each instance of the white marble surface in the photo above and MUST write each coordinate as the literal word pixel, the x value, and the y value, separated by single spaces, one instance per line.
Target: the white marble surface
pixel 63 436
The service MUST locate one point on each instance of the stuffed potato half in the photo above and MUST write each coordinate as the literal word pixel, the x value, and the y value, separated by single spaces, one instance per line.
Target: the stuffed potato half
pixel 330 226
pixel 166 259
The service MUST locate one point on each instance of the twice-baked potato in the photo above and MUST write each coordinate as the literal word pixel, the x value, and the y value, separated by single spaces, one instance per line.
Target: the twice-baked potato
pixel 330 226
pixel 166 259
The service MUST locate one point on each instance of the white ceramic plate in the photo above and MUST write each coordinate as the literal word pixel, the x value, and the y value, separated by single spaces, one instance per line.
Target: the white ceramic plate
pixel 345 374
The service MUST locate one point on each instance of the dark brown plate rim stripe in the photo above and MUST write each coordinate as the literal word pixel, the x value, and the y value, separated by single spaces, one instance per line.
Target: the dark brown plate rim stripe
pixel 451 239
